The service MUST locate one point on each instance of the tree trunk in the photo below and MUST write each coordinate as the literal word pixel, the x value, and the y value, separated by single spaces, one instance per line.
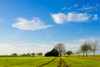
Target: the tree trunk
pixel 93 53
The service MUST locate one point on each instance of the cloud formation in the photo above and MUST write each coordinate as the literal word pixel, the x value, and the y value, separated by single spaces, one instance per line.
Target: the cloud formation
pixel 60 18
pixel 87 7
pixel 68 8
pixel 95 17
pixel 76 5
pixel 63 8
pixel 34 24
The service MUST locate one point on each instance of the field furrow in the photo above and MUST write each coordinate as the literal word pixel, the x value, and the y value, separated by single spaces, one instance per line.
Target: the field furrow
pixel 46 63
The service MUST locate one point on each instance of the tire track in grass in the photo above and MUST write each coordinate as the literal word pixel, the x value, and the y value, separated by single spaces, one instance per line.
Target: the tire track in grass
pixel 62 63
pixel 46 63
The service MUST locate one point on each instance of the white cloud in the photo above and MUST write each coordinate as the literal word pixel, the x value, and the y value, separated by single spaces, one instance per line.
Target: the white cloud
pixel 60 18
pixel 95 17
pixel 76 5
pixel 64 8
pixel 77 17
pixel 87 7
pixel 34 24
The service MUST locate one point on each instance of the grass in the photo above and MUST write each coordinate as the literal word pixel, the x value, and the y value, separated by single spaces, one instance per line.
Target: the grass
pixel 88 55
pixel 75 62
pixel 36 61
pixel 23 61
pixel 54 63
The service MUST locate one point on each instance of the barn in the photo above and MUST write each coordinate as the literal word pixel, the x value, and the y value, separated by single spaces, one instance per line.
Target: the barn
pixel 53 52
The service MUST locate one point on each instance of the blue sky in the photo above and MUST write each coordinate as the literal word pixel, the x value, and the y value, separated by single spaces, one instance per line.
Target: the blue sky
pixel 38 25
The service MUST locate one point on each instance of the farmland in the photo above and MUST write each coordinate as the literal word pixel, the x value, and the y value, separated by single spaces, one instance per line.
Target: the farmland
pixel 49 62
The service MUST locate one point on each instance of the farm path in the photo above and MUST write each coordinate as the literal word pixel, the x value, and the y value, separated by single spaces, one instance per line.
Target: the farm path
pixel 46 63
pixel 62 63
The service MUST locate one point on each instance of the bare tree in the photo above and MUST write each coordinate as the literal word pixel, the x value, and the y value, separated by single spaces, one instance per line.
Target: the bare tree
pixel 86 47
pixel 61 49
pixel 94 47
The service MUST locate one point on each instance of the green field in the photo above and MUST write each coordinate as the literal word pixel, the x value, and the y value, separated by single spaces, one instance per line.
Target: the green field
pixel 75 62
pixel 47 62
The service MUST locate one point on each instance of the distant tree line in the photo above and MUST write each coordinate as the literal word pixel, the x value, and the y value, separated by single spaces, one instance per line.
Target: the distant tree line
pixel 28 54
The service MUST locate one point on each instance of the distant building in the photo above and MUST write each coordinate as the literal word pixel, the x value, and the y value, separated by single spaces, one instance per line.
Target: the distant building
pixel 53 52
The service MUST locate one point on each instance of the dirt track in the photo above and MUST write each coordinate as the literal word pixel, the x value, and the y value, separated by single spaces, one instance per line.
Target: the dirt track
pixel 62 63
pixel 46 63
